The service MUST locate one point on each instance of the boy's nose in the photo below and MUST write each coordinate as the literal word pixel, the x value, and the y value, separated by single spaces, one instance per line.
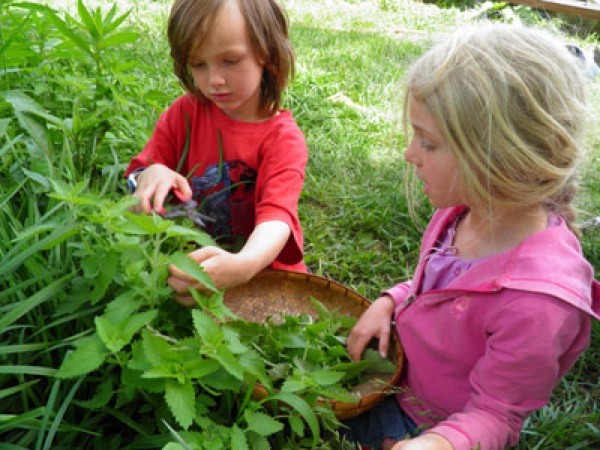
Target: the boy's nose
pixel 215 78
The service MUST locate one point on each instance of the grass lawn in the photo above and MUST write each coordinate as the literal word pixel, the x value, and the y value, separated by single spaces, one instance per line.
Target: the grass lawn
pixel 75 108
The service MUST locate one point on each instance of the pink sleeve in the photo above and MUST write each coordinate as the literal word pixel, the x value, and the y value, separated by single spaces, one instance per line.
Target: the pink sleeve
pixel 399 292
pixel 531 345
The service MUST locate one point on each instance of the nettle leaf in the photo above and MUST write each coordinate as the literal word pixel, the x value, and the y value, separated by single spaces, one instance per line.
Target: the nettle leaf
pixel 326 378
pixel 183 262
pixel 232 338
pixel 200 367
pixel 254 365
pixel 143 224
pixel 206 328
pixel 238 439
pixel 229 361
pixel 87 357
pixel 133 380
pixel 101 398
pixel 221 380
pixel 340 394
pixel 296 424
pixel 123 305
pixel 292 338
pixel 258 442
pixel 181 399
pixel 293 386
pixel 377 363
pixel 262 423
pixel 117 335
pixel 214 303
pixel 191 234
pixel 156 349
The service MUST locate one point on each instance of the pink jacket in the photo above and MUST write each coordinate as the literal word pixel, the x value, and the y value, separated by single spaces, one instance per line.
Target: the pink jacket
pixel 487 350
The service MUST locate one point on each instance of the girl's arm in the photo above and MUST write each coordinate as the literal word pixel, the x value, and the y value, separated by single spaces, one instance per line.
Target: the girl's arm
pixel 231 269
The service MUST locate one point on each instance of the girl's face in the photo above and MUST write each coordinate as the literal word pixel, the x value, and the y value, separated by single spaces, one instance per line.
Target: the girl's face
pixel 433 160
pixel 225 68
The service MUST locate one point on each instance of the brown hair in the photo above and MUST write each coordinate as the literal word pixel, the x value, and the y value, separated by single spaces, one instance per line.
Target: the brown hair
pixel 191 20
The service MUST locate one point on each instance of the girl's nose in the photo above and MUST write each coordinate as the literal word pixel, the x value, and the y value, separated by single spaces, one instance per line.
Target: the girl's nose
pixel 410 154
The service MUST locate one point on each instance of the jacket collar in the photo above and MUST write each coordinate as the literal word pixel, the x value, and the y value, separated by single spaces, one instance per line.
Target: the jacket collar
pixel 549 262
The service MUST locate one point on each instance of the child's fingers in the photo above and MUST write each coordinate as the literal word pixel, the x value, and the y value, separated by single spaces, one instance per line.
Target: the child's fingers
pixel 384 342
pixel 182 189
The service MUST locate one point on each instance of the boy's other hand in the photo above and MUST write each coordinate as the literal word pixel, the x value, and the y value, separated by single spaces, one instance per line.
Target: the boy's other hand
pixel 153 186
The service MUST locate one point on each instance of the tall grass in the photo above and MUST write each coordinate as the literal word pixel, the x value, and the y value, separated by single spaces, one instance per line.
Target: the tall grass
pixel 80 93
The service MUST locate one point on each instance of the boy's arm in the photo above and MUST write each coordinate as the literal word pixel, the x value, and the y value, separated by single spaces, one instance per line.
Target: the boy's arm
pixel 231 269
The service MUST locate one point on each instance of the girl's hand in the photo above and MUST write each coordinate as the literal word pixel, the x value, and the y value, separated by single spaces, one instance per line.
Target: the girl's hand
pixel 374 323
pixel 224 268
pixel 427 441
pixel 153 186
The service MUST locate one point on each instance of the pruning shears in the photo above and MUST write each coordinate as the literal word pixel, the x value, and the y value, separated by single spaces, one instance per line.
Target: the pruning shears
pixel 189 209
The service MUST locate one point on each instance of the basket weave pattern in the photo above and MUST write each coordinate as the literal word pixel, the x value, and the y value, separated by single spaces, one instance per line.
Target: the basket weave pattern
pixel 273 293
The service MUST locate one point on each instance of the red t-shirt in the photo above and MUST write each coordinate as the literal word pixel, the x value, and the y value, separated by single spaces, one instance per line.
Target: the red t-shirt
pixel 258 178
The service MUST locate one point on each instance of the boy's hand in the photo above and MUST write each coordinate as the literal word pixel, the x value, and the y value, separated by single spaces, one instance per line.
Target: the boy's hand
pixel 224 268
pixel 153 186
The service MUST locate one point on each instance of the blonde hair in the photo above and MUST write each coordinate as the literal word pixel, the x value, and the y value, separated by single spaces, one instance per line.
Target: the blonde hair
pixel 510 103
pixel 191 20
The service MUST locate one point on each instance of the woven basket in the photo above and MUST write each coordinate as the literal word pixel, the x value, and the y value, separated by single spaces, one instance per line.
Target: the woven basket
pixel 275 292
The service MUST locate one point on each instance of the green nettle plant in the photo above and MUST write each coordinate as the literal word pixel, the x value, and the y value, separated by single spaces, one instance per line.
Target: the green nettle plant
pixel 158 367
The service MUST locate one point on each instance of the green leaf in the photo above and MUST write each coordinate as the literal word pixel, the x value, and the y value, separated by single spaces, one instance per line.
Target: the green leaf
pixel 20 253
pixel 238 439
pixel 377 363
pixel 19 309
pixel 206 327
pixel 87 357
pixel 262 423
pixel 156 349
pixel 181 401
pixel 122 37
pixel 88 21
pixel 229 361
pixel 117 335
pixel 293 386
pixel 326 378
pixel 302 408
pixel 296 424
pixel 104 393
pixel 183 262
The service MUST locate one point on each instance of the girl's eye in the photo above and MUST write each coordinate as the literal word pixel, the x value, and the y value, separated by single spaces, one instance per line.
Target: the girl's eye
pixel 198 64
pixel 425 144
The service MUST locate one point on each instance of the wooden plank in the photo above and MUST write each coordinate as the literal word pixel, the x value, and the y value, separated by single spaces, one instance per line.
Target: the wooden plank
pixel 573 7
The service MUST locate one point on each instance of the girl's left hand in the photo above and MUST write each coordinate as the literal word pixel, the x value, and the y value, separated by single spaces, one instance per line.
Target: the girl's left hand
pixel 427 441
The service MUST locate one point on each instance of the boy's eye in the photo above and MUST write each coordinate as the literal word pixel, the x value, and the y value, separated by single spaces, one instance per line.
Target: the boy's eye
pixel 231 61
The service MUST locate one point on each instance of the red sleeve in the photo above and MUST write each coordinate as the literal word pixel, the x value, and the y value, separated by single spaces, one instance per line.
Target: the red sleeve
pixel 282 165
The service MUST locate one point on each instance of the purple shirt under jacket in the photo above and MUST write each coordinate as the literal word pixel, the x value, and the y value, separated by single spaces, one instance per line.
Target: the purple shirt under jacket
pixel 487 350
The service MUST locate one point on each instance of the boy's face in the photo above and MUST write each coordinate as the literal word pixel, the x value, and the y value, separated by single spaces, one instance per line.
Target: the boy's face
pixel 433 160
pixel 225 68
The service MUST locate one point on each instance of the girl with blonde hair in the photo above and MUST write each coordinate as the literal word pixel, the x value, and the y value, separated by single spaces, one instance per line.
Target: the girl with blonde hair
pixel 502 299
